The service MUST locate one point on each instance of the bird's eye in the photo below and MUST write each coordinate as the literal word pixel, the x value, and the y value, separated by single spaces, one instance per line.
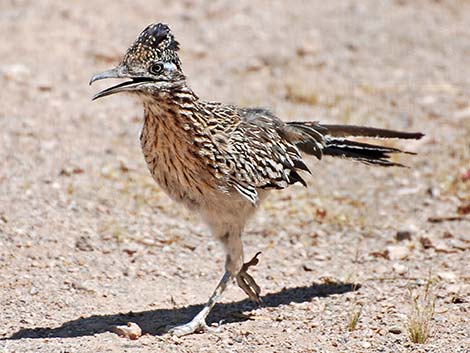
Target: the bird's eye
pixel 156 68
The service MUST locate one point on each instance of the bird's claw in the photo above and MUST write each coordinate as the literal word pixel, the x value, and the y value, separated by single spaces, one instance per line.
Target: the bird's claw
pixel 194 326
pixel 247 283
pixel 253 262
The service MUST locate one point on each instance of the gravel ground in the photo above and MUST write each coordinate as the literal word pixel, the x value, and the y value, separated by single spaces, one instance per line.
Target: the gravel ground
pixel 88 241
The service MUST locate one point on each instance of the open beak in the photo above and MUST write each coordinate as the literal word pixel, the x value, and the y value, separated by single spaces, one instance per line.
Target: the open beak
pixel 117 72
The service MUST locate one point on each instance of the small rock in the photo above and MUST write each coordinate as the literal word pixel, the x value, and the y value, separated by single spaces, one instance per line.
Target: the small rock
pixel 83 244
pixel 211 245
pixel 403 235
pixel 447 276
pixel 245 333
pixel 130 249
pixel 395 330
pixel 426 242
pixel 33 291
pixel 443 247
pixel 307 268
pixel 306 48
pixel 166 248
pixel 18 72
pixel 399 268
pixel 379 254
pixel 464 209
pixel 254 64
pixel 80 286
pixel 381 269
pixel 148 242
pixel 433 191
pixel 397 252
pixel 447 235
pixel 131 330
pixel 427 100
pixel 366 345
pixel 457 300
pixel 44 87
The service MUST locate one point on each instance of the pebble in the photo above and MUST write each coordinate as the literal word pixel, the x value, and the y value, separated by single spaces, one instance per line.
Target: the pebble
pixel 399 268
pixel 83 244
pixel 306 48
pixel 18 72
pixel 447 276
pixel 395 330
pixel 397 252
pixel 130 248
pixel 131 330
pixel 254 64
pixel 426 242
pixel 433 191
pixel 211 245
pixel 403 235
pixel 427 100
pixel 81 286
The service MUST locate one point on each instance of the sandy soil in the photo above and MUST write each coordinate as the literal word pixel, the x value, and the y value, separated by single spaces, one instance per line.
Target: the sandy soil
pixel 87 241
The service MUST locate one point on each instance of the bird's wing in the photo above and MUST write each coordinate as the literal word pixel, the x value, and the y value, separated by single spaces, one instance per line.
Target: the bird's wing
pixel 259 157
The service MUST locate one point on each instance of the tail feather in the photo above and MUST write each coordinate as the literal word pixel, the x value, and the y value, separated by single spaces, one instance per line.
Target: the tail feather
pixel 361 152
pixel 334 143
pixel 364 131
pixel 363 158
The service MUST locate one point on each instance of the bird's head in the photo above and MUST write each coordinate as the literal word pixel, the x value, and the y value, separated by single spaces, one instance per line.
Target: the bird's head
pixel 151 64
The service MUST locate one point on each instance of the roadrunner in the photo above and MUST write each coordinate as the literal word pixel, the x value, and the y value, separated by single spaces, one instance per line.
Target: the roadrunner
pixel 222 160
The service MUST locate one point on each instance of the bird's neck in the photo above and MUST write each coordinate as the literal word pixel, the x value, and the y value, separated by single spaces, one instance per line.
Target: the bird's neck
pixel 170 100
pixel 171 110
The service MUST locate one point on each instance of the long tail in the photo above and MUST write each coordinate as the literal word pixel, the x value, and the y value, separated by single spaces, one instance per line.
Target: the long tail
pixel 334 140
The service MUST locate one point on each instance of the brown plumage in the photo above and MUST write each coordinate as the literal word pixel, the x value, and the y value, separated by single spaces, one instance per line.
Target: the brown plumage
pixel 221 160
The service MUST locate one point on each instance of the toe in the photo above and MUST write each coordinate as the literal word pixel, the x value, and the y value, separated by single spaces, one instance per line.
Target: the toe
pixel 247 283
pixel 189 328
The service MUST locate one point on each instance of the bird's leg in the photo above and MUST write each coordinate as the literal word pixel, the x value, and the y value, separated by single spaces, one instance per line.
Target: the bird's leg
pixel 233 263
pixel 198 323
pixel 247 283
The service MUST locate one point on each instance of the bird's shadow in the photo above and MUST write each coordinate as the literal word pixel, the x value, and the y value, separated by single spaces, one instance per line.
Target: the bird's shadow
pixel 155 322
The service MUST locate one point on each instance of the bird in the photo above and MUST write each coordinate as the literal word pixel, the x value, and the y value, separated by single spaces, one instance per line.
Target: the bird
pixel 222 160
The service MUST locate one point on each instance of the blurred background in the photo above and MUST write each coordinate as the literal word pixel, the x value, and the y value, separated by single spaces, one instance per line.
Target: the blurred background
pixel 85 232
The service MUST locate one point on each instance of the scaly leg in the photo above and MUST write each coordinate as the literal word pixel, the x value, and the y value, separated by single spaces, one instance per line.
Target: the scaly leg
pixel 233 263
pixel 198 323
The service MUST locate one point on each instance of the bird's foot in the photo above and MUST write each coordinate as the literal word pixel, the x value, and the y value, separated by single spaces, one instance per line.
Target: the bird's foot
pixel 247 283
pixel 194 326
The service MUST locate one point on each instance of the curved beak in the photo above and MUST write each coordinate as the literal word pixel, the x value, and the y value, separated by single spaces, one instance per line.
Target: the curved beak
pixel 117 72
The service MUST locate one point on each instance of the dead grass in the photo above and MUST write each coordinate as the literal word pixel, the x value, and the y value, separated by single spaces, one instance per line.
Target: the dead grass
pixel 421 314
pixel 354 316
pixel 356 309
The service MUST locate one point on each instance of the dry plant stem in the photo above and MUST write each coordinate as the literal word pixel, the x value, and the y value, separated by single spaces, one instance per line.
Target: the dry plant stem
pixel 422 313
pixel 354 319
